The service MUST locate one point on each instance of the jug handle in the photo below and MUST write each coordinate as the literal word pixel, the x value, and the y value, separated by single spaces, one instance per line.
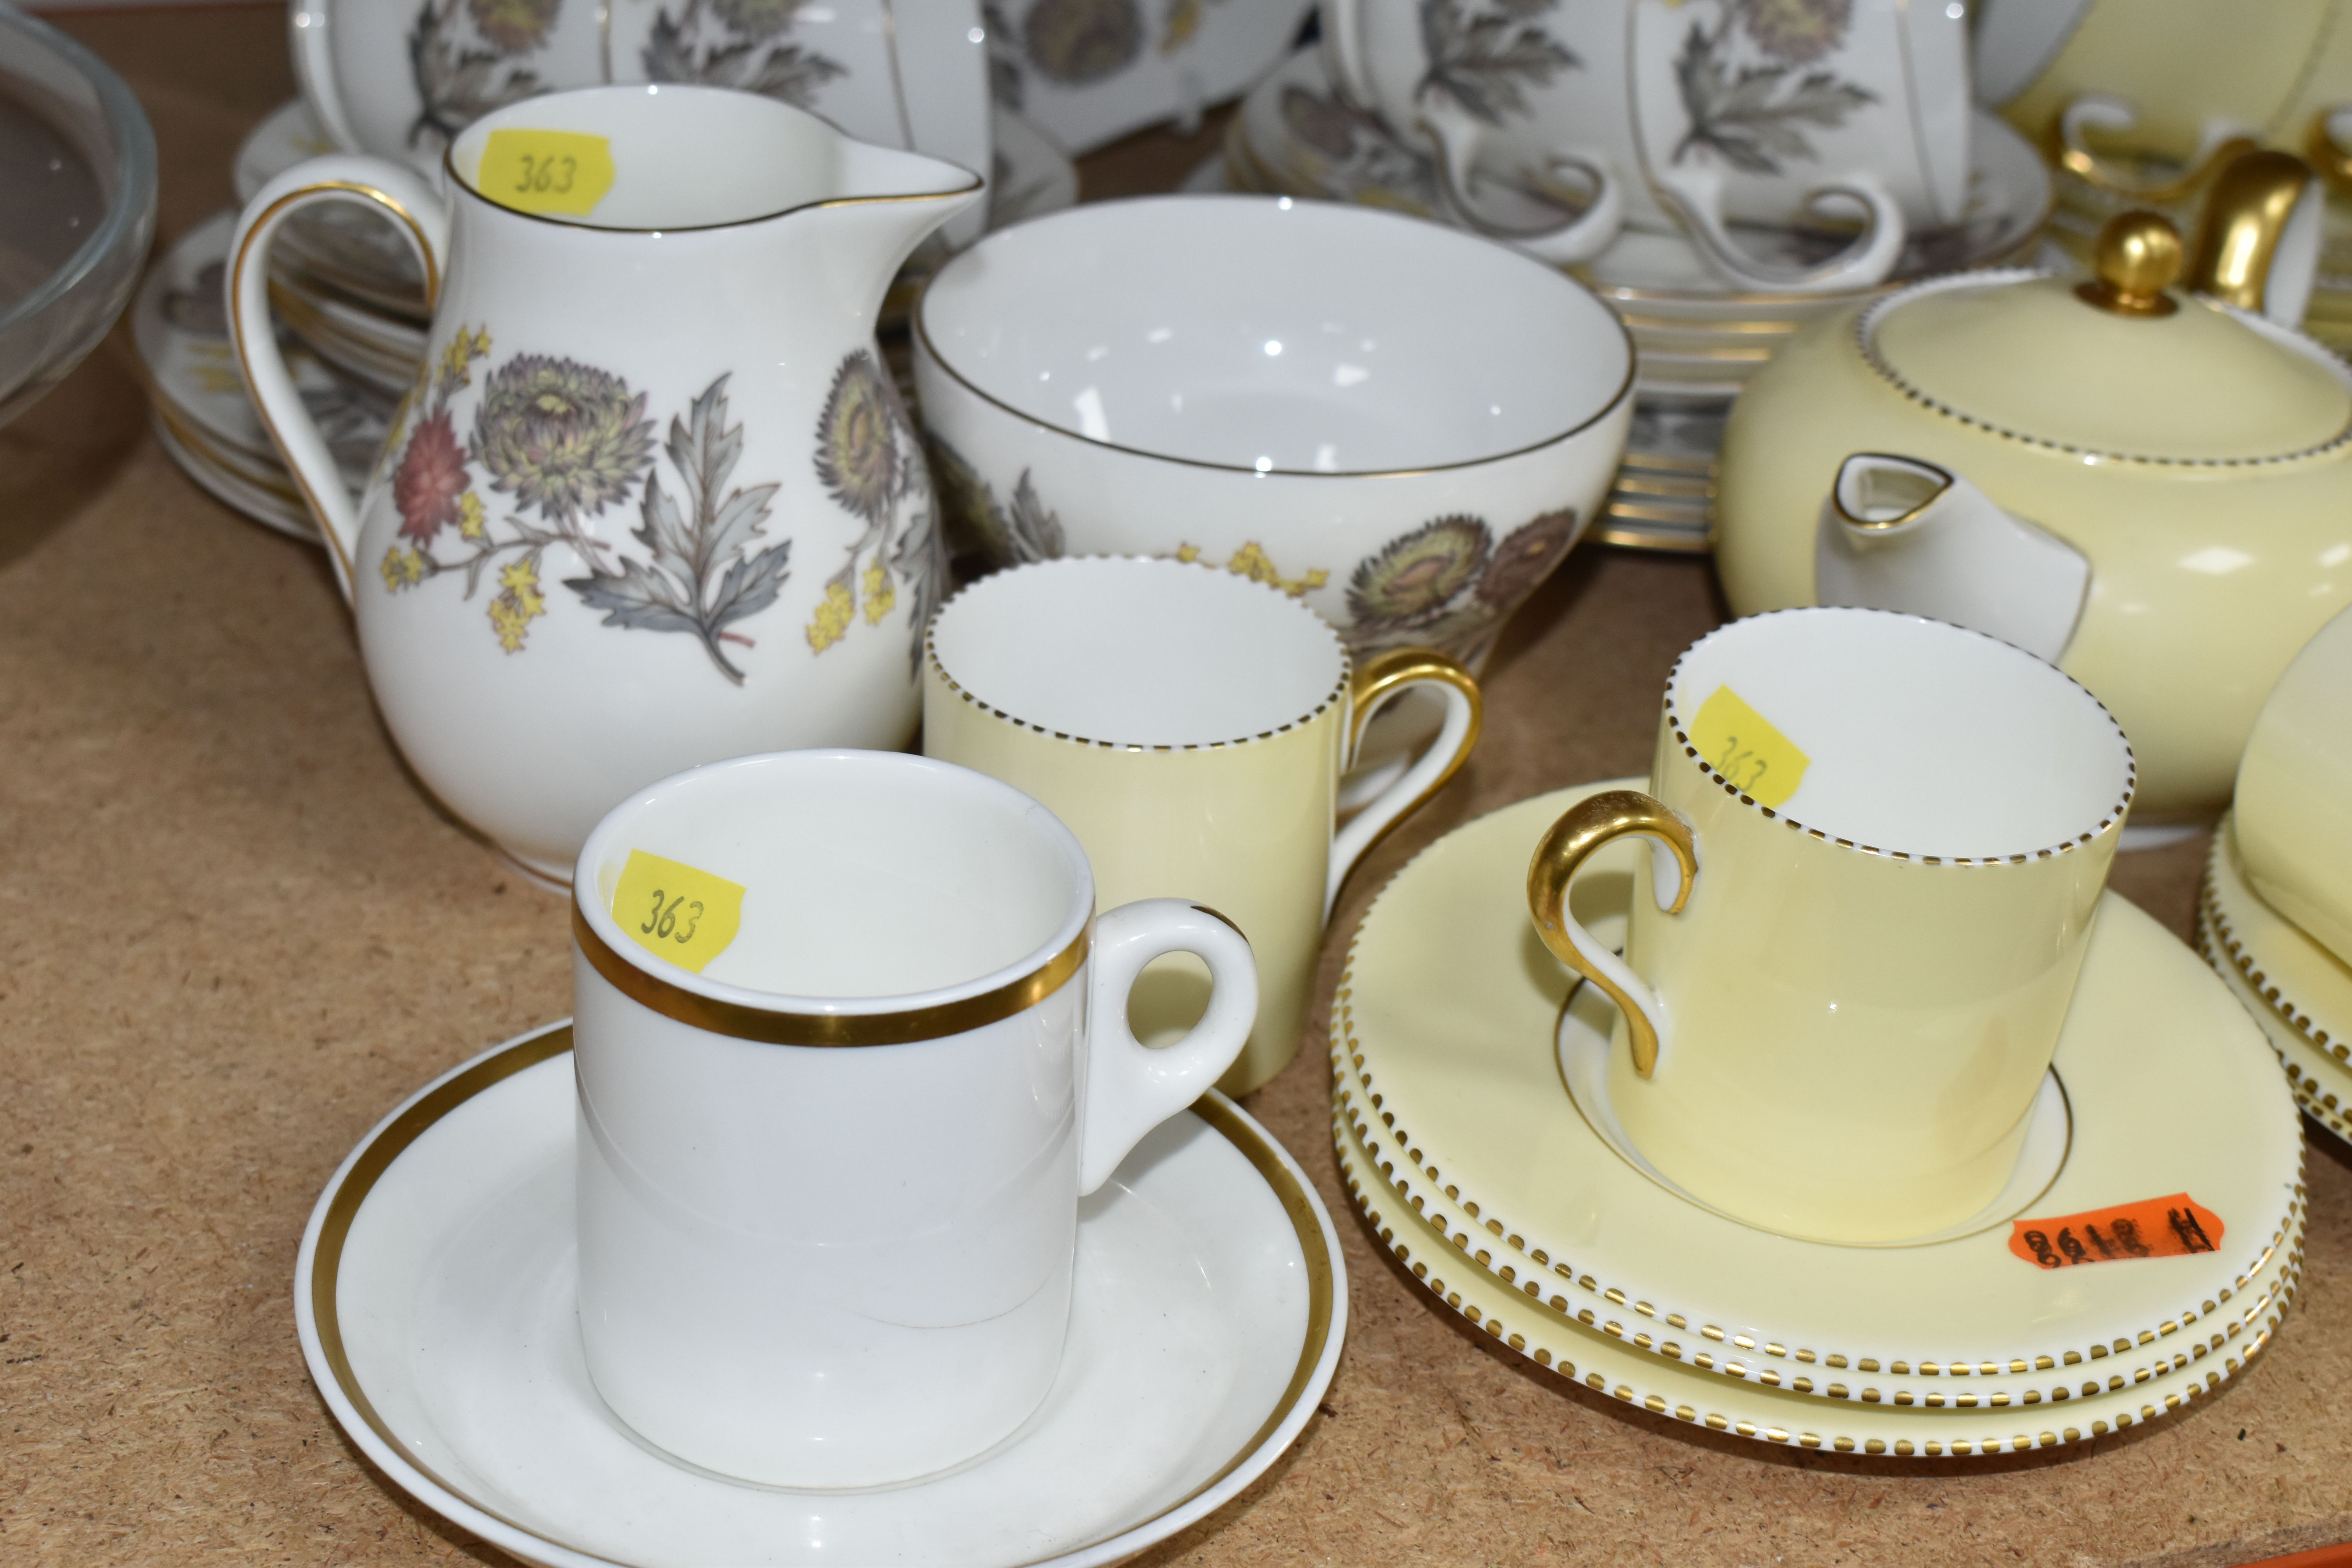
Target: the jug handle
pixel 1674 867
pixel 1343 33
pixel 1454 137
pixel 1376 680
pixel 2258 243
pixel 423 217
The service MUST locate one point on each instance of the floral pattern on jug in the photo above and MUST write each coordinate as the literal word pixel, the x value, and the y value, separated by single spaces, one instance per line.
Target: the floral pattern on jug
pixel 461 73
pixel 569 440
pixel 740 44
pixel 870 461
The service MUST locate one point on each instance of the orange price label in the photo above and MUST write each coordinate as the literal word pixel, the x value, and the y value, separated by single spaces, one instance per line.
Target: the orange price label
pixel 2152 1227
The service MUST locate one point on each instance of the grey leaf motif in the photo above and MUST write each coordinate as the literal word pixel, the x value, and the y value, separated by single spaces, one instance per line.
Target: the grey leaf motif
pixel 1483 62
pixel 457 84
pixel 674 592
pixel 1746 119
pixel 673 52
pixel 1034 533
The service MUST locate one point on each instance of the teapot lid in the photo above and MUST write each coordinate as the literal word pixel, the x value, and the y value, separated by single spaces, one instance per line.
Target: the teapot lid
pixel 2116 367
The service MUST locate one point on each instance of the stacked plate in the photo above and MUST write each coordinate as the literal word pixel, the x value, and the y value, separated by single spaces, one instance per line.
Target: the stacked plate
pixel 1697 338
pixel 1473 1124
pixel 2299 992
pixel 349 297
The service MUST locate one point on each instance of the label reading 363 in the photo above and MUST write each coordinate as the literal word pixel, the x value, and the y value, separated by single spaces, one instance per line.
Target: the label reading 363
pixel 1738 742
pixel 675 911
pixel 565 172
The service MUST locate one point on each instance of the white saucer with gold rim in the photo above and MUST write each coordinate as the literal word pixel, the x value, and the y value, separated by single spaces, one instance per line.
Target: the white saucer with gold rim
pixel 2299 992
pixel 1447 1016
pixel 435 1299
pixel 1440 1264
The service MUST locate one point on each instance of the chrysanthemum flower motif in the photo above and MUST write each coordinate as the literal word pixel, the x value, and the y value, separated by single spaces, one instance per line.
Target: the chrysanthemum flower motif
pixel 1525 557
pixel 563 436
pixel 519 603
pixel 1797 31
pixel 832 618
pixel 857 439
pixel 514 25
pixel 1418 573
pixel 757 18
pixel 1080 41
pixel 430 479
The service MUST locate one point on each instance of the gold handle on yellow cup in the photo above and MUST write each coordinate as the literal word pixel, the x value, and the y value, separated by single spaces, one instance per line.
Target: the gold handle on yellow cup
pixel 2258 243
pixel 1375 680
pixel 2070 148
pixel 423 219
pixel 1673 864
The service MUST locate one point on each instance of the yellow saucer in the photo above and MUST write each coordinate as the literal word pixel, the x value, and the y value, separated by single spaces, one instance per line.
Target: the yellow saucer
pixel 2299 993
pixel 1446 1017
pixel 1770 1415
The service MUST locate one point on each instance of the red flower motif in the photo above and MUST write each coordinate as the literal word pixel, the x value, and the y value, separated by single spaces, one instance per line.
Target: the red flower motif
pixel 431 477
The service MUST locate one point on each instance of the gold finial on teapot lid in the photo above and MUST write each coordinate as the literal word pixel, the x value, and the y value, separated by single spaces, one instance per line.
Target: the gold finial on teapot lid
pixel 2138 257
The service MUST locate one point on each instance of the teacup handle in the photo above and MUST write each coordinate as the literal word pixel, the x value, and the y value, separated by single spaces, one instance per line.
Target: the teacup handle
pixel 1130 1088
pixel 1457 135
pixel 1343 39
pixel 423 217
pixel 1673 869
pixel 1376 680
pixel 2221 143
pixel 1695 198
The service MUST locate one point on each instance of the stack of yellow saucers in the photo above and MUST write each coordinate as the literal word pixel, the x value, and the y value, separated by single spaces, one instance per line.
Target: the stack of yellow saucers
pixel 2275 917
pixel 1476 1139
pixel 1697 338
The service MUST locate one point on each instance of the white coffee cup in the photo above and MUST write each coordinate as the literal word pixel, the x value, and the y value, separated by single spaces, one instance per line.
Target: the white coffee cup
pixel 1671 115
pixel 829 1173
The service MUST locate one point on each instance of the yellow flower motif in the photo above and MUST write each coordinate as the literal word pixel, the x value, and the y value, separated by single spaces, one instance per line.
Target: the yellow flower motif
pixel 1252 562
pixel 833 616
pixel 518 603
pixel 880 596
pixel 470 522
pixel 402 568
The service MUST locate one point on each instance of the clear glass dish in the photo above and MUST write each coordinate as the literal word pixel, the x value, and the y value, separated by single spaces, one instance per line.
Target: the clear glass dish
pixel 77 167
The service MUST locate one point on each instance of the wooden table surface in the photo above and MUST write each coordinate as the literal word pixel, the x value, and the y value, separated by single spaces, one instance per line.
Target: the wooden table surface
pixel 235 933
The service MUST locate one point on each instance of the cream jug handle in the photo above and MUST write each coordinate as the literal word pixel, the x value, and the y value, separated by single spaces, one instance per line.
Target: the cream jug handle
pixel 1127 1088
pixel 1455 137
pixel 1343 37
pixel 423 217
pixel 1673 869
pixel 1376 680
pixel 1696 195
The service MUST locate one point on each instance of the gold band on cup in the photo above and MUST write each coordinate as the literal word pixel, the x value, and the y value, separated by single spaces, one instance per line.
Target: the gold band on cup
pixel 772 1027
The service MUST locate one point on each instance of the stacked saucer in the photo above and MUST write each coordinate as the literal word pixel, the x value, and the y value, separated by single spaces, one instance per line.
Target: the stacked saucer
pixel 1472 1120
pixel 1698 339
pixel 2299 992
pixel 202 415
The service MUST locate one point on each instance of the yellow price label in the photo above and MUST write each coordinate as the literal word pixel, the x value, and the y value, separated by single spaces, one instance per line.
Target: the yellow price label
pixel 674 910
pixel 546 171
pixel 1738 742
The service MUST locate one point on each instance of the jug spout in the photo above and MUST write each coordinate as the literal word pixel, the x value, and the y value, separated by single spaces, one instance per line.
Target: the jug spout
pixel 1900 534
pixel 885 203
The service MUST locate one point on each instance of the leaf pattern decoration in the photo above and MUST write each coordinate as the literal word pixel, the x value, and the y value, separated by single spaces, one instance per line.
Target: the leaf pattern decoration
pixel 1027 532
pixel 1754 117
pixel 704 575
pixel 459 81
pixel 1484 60
pixel 746 56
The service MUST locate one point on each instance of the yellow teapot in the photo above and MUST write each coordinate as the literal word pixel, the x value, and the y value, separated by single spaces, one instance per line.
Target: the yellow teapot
pixel 2150 488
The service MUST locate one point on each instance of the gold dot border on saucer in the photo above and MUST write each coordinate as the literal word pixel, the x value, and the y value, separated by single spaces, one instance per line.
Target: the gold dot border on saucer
pixel 1366 1198
pixel 2209 906
pixel 1744 1357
